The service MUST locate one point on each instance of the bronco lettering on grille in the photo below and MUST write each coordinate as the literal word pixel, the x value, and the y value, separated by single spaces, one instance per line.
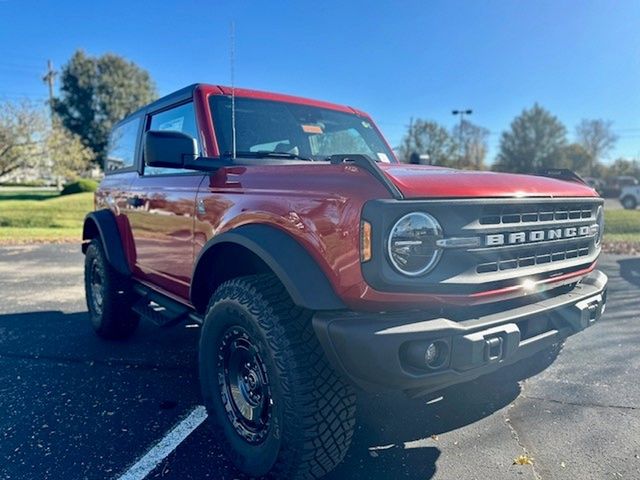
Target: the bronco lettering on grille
pixel 513 238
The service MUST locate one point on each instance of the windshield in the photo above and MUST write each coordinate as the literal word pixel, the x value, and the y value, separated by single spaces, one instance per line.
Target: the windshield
pixel 294 130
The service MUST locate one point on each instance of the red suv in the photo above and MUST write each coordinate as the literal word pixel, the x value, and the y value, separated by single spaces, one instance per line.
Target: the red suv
pixel 317 263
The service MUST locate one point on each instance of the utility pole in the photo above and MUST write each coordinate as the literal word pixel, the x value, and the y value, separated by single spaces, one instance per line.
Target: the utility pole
pixel 411 152
pixel 50 79
pixel 462 113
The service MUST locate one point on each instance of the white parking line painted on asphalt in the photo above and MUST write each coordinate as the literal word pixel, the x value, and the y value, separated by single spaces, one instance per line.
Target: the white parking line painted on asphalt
pixel 161 450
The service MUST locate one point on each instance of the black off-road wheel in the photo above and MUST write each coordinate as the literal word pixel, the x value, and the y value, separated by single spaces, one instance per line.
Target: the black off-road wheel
pixel 279 407
pixel 109 296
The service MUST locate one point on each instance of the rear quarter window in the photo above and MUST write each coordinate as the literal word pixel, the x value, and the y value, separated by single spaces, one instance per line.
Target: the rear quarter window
pixel 121 150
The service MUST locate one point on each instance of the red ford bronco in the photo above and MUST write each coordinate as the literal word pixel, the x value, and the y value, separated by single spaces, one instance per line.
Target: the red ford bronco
pixel 317 263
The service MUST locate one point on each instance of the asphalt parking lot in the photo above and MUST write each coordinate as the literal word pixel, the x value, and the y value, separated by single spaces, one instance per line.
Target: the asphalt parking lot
pixel 76 407
pixel 612 204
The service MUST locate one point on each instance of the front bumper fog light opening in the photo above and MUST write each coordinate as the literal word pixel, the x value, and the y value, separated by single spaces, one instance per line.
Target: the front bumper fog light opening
pixel 431 355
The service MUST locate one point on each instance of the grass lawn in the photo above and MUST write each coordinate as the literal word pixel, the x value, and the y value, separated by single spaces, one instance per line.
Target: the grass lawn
pixel 27 194
pixel 622 224
pixel 622 231
pixel 42 216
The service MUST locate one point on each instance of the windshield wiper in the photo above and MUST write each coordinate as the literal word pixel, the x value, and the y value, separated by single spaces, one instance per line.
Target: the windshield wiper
pixel 269 154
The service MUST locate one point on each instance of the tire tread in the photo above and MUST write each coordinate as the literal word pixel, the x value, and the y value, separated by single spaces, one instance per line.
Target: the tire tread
pixel 118 320
pixel 316 399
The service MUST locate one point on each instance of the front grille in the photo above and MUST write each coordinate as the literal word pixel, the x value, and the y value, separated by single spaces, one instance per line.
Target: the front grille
pixel 489 243
pixel 517 214
pixel 537 219
pixel 540 256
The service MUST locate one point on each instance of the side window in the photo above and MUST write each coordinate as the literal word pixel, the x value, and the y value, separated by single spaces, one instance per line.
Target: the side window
pixel 178 119
pixel 121 149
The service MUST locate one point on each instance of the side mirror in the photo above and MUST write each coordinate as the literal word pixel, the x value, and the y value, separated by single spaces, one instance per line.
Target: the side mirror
pixel 168 148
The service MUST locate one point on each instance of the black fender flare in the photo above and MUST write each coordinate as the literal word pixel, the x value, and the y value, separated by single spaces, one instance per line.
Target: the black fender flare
pixel 102 224
pixel 301 276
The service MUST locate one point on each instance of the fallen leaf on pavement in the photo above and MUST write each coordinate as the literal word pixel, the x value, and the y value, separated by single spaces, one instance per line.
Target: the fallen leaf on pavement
pixel 523 460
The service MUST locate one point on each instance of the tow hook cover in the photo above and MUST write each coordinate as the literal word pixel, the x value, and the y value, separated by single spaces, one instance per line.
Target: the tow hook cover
pixel 589 311
pixel 487 346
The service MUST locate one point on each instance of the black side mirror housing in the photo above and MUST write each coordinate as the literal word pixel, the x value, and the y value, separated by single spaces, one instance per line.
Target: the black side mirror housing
pixel 168 149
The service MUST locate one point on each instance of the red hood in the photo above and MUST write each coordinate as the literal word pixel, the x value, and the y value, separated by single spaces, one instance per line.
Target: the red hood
pixel 420 181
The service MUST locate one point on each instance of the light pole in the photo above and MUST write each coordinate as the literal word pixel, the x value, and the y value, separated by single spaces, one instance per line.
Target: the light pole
pixel 462 113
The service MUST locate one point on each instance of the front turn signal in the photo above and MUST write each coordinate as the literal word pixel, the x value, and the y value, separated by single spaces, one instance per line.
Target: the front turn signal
pixel 365 241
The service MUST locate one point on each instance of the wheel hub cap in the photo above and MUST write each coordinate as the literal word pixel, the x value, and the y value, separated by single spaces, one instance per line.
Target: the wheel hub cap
pixel 244 385
pixel 96 287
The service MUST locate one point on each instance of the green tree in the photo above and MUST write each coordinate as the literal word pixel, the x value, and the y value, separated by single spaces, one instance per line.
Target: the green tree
pixel 597 139
pixel 577 159
pixel 472 145
pixel 96 92
pixel 426 137
pixel 623 166
pixel 535 140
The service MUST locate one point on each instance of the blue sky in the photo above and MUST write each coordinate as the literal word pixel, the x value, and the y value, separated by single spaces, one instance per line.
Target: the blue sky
pixel 395 60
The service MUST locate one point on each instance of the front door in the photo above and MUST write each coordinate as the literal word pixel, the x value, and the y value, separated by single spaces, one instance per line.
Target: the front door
pixel 162 210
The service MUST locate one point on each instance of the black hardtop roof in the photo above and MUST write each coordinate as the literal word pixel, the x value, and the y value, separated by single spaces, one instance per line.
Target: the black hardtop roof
pixel 184 93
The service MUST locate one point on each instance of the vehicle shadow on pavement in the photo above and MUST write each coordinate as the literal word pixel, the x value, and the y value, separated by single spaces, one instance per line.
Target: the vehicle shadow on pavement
pixel 396 437
pixel 630 270
pixel 68 337
pixel 76 406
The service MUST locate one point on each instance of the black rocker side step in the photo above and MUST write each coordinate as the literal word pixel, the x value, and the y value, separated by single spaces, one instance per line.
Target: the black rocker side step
pixel 159 309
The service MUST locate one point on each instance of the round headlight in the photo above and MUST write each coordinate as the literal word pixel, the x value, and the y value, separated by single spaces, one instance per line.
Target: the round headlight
pixel 600 222
pixel 412 244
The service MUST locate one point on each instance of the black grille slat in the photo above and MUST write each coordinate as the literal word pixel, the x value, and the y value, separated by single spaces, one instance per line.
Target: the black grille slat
pixel 531 259
pixel 514 214
pixel 527 217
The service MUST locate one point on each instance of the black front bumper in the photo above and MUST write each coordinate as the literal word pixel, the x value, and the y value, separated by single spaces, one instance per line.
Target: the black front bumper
pixel 371 348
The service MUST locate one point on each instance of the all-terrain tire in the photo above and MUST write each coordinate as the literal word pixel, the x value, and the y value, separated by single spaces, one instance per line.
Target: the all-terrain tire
pixel 312 410
pixel 109 296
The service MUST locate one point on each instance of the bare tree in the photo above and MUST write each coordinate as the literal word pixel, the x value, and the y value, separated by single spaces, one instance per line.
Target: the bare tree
pixel 597 138
pixel 68 156
pixel 27 141
pixel 21 136
pixel 472 144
